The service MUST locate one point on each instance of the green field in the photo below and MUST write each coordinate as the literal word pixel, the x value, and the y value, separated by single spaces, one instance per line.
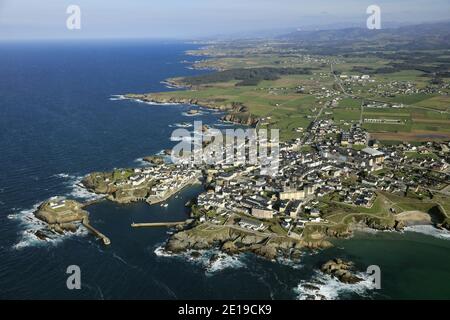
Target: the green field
pixel 280 104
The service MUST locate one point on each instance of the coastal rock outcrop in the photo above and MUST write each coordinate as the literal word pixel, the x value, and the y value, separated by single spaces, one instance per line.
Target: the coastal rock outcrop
pixel 445 224
pixel 342 270
pixel 155 159
pixel 241 118
pixel 60 215
pixel 61 212
pixel 237 112
pixel 233 241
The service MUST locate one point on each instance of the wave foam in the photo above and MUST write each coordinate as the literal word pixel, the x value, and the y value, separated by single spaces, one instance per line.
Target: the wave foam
pixel 77 190
pixel 117 97
pixel 430 231
pixel 200 113
pixel 212 261
pixel 140 162
pixel 325 287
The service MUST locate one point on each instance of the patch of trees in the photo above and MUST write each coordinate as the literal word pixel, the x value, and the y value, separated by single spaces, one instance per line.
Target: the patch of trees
pixel 246 77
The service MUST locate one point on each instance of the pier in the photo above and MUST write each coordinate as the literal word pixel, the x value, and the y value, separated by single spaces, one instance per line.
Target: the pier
pixel 97 233
pixel 160 224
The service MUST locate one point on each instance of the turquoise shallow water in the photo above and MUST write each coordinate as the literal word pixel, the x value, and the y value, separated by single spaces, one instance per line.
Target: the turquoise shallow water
pixel 58 123
pixel 413 265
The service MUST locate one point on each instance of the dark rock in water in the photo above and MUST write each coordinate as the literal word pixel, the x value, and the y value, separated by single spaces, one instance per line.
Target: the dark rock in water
pixel 341 270
pixel 57 228
pixel 41 235
pixel 195 254
pixel 310 287
pixel 214 258
pixel 296 255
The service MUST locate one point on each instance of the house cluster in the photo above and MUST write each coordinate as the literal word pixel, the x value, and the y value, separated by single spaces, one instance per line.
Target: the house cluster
pixel 356 78
pixel 171 179
pixel 382 105
pixel 57 203
pixel 395 88
pixel 135 179
pixel 331 168
pixel 303 178
pixel 356 136
pixel 153 183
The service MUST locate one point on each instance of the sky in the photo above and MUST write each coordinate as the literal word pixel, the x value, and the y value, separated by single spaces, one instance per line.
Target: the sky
pixel 189 19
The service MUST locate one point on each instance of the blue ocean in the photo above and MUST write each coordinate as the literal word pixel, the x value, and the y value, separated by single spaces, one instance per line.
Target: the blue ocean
pixel 60 119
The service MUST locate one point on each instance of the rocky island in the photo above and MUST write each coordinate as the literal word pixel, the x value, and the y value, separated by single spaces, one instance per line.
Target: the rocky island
pixel 63 215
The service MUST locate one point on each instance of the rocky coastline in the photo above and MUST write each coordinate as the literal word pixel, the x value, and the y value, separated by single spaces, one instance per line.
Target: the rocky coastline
pixel 235 112
pixel 341 270
pixel 232 241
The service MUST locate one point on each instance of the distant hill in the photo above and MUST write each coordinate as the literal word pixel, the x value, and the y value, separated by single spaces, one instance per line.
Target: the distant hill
pixel 441 29
pixel 413 37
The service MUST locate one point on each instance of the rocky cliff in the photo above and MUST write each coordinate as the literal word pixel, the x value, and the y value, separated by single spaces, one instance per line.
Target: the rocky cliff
pixel 233 241
pixel 236 112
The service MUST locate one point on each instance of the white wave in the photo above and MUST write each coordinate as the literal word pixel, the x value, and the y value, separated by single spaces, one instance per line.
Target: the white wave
pixel 224 261
pixel 289 262
pixel 117 97
pixel 77 190
pixel 224 124
pixel 430 231
pixel 141 162
pixel 205 110
pixel 200 113
pixel 161 153
pixel 122 97
pixel 203 259
pixel 151 103
pixel 62 175
pixel 181 125
pixel 325 287
pixel 161 252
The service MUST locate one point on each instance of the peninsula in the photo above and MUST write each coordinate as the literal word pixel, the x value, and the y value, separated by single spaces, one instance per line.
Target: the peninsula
pixel 365 143
pixel 365 140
